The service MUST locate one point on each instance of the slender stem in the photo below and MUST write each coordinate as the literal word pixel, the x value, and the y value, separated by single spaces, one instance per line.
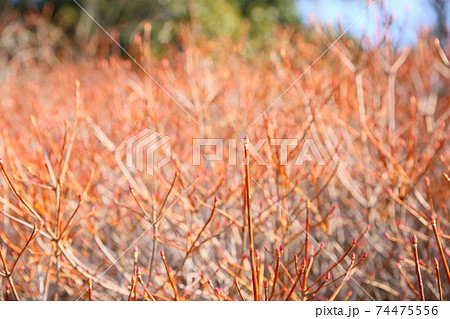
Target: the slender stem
pixel 296 263
pixel 441 52
pixel 416 260
pixel 141 207
pixel 354 242
pixel 258 273
pixel 193 246
pixel 441 249
pixel 135 258
pixel 59 214
pixel 236 283
pixel 57 269
pixel 327 277
pixel 177 175
pixel 47 277
pixel 438 278
pixel 35 231
pixel 169 274
pixel 155 243
pixel 414 290
pixel 305 278
pixel 16 193
pixel 152 258
pixel 266 290
pixel 346 277
pixel 135 291
pixel 277 268
pixel 90 289
pixel 139 277
pixel 299 275
pixel 216 292
pixel 8 273
pixel 80 200
pixel 8 276
pixel 133 285
pixel 250 219
pixel 429 196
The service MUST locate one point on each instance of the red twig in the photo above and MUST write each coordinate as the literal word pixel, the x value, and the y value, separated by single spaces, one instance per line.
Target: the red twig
pixel 417 262
pixel 438 279
pixel 441 249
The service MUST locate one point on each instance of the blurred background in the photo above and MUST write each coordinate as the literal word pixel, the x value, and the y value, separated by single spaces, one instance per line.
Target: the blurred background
pixel 379 107
pixel 229 17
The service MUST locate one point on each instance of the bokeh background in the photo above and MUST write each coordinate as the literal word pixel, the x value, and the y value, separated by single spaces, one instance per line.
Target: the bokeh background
pixel 377 100
pixel 227 17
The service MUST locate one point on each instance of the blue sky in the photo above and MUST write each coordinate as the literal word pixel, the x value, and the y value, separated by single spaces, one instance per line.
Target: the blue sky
pixel 413 15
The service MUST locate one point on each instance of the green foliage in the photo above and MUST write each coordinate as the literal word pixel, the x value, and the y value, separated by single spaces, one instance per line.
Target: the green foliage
pixel 216 18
